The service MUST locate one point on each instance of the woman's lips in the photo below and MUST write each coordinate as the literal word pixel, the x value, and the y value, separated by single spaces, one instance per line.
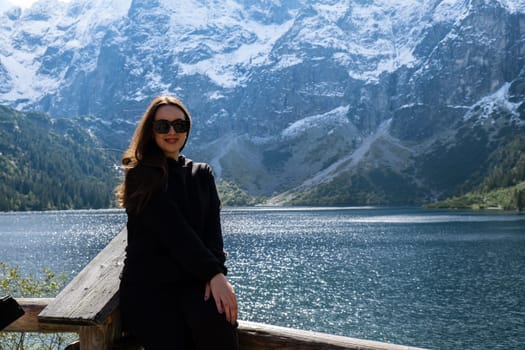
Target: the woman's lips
pixel 171 140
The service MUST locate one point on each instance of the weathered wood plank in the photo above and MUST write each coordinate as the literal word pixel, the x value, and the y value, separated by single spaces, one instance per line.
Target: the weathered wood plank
pixel 258 336
pixel 252 335
pixel 29 321
pixel 93 294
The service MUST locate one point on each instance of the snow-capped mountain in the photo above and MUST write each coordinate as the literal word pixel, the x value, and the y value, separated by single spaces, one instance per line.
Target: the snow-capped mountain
pixel 287 94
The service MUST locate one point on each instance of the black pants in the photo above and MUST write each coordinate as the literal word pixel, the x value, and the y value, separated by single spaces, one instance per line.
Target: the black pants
pixel 175 318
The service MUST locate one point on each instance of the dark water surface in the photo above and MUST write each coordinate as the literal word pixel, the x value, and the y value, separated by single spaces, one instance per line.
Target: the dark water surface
pixel 435 279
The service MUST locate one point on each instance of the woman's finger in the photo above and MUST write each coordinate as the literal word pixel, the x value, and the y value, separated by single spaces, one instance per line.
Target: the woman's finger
pixel 227 312
pixel 207 292
pixel 235 313
pixel 218 303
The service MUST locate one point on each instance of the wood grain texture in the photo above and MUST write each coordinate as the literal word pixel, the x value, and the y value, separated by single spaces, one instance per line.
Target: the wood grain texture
pixel 29 321
pixel 258 336
pixel 252 335
pixel 93 294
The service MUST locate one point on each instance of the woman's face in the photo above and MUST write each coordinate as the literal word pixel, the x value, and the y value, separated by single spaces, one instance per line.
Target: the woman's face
pixel 172 142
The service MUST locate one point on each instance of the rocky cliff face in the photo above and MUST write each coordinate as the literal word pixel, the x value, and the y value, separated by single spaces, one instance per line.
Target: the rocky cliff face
pixel 375 101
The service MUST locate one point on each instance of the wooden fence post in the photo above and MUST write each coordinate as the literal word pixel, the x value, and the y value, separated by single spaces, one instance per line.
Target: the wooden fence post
pixel 103 336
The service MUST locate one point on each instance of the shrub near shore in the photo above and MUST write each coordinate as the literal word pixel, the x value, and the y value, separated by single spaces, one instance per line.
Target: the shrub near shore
pixel 47 285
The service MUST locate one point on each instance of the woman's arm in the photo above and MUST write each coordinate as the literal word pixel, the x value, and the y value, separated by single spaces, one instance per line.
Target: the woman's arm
pixel 218 287
pixel 212 221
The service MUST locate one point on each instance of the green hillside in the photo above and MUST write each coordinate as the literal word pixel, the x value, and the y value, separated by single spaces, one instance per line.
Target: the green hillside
pixel 503 187
pixel 51 164
pixel 508 198
pixel 495 182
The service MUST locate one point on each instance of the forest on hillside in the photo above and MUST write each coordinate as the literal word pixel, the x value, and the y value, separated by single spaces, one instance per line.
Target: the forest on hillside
pixel 51 164
pixel 503 187
pixel 56 164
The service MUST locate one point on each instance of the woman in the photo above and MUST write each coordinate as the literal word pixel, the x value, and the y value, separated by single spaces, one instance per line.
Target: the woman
pixel 173 289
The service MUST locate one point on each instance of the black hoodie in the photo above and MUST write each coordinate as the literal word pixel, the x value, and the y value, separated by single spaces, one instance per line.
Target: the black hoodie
pixel 177 237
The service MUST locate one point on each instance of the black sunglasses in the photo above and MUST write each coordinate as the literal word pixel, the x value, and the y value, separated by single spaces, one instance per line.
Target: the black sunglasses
pixel 162 126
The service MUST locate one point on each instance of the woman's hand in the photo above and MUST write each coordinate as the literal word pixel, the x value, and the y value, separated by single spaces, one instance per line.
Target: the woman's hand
pixel 224 296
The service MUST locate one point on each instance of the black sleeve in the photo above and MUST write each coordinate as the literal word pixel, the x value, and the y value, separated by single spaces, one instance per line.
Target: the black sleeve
pixel 212 228
pixel 185 247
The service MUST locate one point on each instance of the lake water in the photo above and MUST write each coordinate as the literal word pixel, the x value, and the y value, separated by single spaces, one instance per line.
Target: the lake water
pixel 434 279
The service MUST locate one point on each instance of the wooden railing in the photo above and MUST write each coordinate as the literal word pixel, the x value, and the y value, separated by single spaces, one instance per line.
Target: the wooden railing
pixel 88 305
pixel 252 335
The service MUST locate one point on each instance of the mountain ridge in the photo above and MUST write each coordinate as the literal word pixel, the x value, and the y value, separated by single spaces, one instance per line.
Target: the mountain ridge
pixel 294 93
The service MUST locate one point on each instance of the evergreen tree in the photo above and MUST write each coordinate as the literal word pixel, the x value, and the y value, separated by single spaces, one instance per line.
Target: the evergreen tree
pixel 49 164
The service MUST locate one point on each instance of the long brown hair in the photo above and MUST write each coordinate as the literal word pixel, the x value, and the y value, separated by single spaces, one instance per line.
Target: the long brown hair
pixel 144 162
